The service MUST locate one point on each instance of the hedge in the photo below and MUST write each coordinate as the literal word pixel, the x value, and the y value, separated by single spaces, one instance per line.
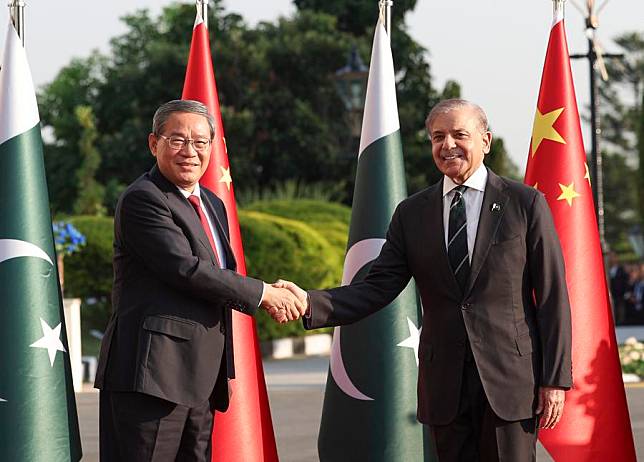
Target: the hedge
pixel 88 273
pixel 277 247
pixel 329 218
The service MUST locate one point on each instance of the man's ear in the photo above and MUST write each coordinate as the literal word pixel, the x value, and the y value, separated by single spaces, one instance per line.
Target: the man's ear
pixel 487 142
pixel 153 142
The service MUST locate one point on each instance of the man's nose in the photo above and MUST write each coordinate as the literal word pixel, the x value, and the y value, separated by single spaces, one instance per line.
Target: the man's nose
pixel 188 150
pixel 448 142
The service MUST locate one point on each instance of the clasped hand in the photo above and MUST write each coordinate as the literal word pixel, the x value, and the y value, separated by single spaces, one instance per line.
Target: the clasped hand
pixel 284 301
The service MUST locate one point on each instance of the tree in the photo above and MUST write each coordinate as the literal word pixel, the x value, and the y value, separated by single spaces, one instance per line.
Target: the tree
pixel 91 193
pixel 621 116
pixel 356 16
pixel 499 160
pixel 640 147
pixel 75 85
pixel 284 119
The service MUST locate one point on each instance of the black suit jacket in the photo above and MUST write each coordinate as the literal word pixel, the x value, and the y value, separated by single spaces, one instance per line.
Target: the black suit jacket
pixel 172 304
pixel 514 313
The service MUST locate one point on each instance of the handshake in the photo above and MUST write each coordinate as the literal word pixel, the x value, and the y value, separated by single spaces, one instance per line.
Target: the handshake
pixel 284 301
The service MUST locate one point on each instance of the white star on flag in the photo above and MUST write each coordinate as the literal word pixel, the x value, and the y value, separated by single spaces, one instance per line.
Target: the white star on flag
pixel 50 340
pixel 413 340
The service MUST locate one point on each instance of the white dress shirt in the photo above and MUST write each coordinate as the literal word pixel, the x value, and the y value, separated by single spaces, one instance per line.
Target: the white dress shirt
pixel 213 229
pixel 473 197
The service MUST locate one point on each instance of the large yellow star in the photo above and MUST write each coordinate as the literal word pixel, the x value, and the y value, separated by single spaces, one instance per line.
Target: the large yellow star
pixel 543 128
pixel 587 175
pixel 225 177
pixel 568 193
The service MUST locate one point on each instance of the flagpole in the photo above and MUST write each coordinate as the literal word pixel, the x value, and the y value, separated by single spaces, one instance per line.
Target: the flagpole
pixel 385 12
pixel 17 13
pixel 202 7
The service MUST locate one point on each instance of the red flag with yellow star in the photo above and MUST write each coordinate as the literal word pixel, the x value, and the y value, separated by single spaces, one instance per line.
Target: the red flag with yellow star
pixel 595 424
pixel 245 430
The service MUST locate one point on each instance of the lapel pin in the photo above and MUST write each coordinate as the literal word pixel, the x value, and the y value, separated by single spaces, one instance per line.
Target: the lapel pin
pixel 496 207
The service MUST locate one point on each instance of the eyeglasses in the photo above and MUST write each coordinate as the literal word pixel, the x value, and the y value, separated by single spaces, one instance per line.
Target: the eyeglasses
pixel 177 143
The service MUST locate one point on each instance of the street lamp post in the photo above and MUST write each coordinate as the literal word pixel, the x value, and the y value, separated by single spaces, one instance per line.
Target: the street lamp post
pixel 351 83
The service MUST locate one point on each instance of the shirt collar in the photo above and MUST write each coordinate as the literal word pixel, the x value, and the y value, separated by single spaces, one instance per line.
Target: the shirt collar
pixel 187 194
pixel 477 181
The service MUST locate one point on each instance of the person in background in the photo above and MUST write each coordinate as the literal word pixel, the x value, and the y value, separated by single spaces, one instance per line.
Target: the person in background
pixel 618 284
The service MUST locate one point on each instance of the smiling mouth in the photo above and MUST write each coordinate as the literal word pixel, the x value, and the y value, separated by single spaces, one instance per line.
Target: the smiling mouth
pixel 452 155
pixel 187 164
pixel 449 157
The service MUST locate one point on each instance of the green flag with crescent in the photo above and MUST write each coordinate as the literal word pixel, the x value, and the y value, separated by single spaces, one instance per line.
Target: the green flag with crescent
pixel 37 407
pixel 369 411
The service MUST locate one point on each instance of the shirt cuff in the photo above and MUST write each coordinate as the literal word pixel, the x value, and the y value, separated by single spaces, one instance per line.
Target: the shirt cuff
pixel 262 296
pixel 307 314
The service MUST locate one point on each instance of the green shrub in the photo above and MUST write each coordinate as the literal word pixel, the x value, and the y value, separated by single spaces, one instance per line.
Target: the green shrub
pixel 631 356
pixel 277 247
pixel 328 218
pixel 88 273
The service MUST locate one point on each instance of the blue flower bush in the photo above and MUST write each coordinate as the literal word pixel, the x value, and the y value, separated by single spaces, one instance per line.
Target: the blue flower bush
pixel 67 238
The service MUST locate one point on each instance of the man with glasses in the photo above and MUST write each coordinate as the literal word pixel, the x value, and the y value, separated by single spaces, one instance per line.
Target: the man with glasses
pixel 166 356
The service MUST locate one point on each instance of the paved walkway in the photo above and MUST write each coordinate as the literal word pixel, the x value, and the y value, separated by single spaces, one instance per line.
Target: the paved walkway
pixel 624 332
pixel 296 391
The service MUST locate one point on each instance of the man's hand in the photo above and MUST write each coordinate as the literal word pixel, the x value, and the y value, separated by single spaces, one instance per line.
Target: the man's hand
pixel 550 407
pixel 281 304
pixel 297 291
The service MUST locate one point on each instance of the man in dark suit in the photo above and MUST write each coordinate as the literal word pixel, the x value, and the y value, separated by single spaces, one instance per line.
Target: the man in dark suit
pixel 166 356
pixel 495 345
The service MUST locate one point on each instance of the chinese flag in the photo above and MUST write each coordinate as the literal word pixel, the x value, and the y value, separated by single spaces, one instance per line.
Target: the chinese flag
pixel 595 424
pixel 245 431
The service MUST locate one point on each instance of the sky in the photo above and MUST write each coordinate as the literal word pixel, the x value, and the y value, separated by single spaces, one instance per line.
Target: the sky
pixel 494 48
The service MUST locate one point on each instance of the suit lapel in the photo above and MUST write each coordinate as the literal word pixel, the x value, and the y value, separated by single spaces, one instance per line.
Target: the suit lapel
pixel 494 203
pixel 433 232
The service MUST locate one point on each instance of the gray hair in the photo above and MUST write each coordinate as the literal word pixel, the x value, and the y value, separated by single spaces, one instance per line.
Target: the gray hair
pixel 162 114
pixel 447 105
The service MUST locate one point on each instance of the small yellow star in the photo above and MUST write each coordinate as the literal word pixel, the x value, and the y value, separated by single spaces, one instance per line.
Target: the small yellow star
pixel 568 193
pixel 543 128
pixel 536 186
pixel 225 177
pixel 587 175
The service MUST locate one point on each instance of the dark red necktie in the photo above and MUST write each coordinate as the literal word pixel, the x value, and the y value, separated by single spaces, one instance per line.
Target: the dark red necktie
pixel 195 202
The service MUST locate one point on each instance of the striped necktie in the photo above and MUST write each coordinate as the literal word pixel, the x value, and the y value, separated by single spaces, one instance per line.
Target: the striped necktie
pixel 457 238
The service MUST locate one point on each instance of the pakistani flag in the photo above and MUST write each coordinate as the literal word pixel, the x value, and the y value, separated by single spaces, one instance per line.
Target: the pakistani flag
pixel 38 419
pixel 369 411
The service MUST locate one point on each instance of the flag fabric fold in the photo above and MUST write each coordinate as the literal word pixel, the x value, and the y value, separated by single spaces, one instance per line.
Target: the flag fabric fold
pixel 245 431
pixel 369 410
pixel 37 405
pixel 595 424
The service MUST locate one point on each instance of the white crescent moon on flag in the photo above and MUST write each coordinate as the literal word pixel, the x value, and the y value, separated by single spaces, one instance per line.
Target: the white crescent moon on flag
pixel 14 248
pixel 359 255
